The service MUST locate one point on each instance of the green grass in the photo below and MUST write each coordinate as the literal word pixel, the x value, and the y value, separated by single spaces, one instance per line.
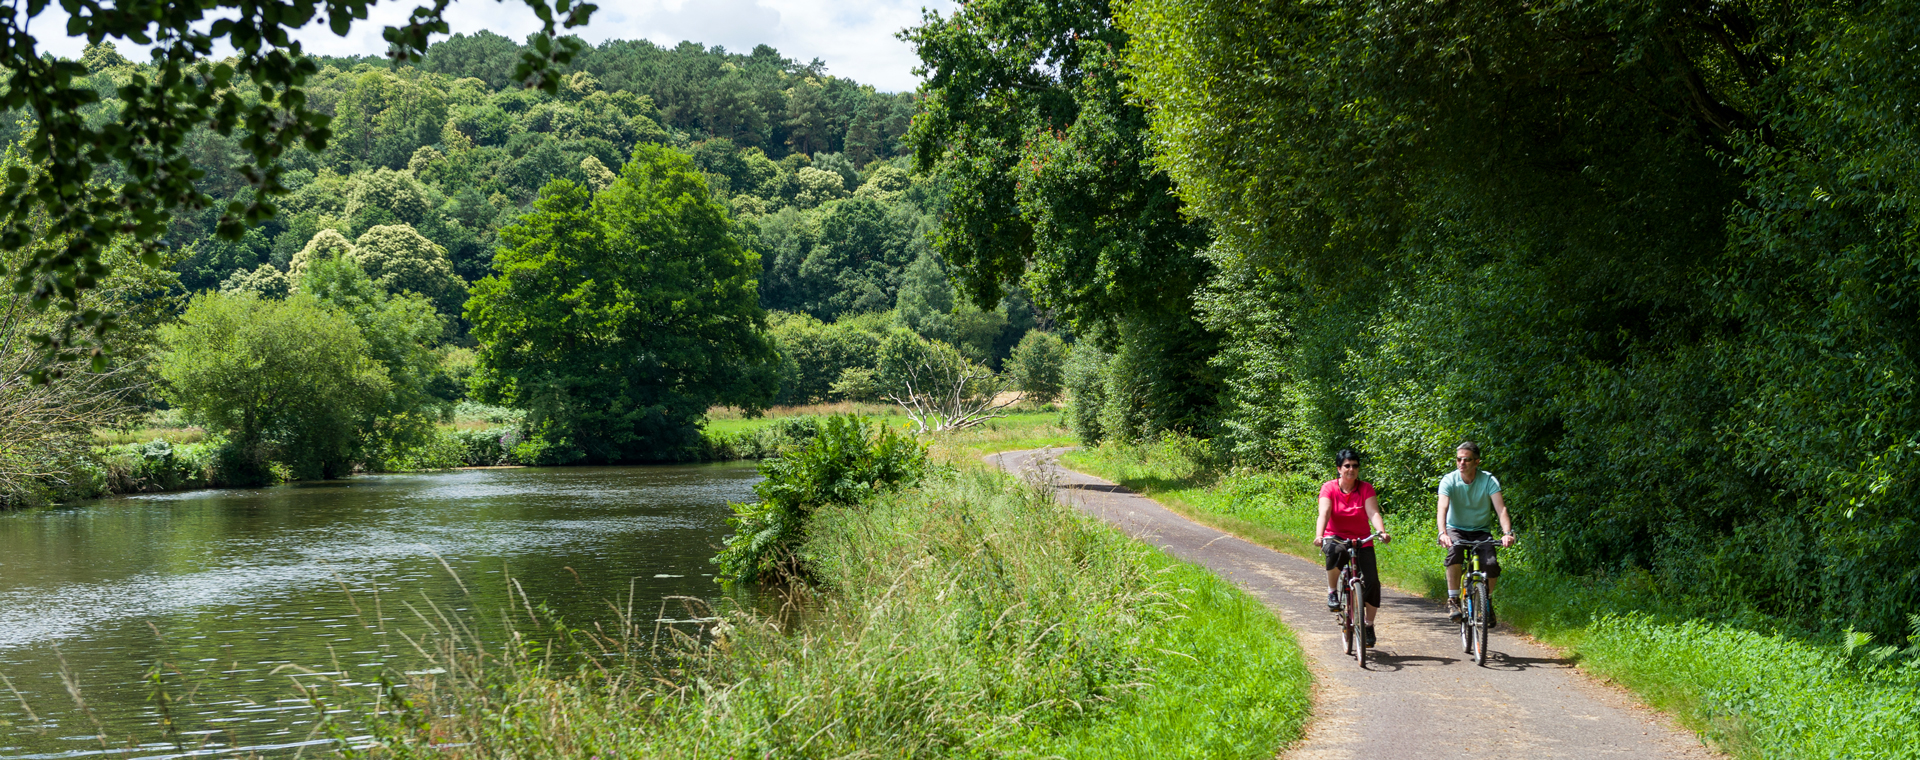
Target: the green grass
pixel 969 617
pixel 1754 689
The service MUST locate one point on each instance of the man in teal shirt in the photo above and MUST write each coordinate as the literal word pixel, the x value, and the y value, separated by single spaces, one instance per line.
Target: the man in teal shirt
pixel 1469 501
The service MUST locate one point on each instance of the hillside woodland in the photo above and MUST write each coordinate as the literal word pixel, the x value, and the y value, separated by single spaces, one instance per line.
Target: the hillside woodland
pixel 453 212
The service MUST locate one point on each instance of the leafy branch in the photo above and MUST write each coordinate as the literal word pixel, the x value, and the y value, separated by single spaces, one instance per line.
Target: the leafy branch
pixel 260 92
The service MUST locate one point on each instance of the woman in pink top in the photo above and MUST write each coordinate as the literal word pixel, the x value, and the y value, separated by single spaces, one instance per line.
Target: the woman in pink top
pixel 1347 506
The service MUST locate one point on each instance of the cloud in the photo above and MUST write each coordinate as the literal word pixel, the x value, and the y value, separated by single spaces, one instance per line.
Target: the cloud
pixel 855 40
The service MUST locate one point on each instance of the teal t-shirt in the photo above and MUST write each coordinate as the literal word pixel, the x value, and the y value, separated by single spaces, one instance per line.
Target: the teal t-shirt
pixel 1470 505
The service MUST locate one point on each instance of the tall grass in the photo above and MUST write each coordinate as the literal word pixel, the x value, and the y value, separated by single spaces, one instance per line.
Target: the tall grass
pixel 967 617
pixel 1756 687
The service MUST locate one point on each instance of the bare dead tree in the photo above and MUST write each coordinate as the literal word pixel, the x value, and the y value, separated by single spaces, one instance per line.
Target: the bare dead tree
pixel 949 395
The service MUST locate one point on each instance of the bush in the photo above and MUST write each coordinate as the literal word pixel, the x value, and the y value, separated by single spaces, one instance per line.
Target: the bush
pixel 841 465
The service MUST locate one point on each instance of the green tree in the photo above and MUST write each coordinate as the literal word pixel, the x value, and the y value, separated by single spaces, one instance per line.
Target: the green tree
pixel 817 186
pixel 1051 185
pixel 286 381
pixel 1038 366
pixel 402 331
pixel 392 195
pixel 814 355
pixel 856 266
pixel 399 258
pixel 326 245
pixel 259 90
pixel 616 321
pixel 265 281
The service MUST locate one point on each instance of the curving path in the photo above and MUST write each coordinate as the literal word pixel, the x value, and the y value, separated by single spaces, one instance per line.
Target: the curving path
pixel 1420 697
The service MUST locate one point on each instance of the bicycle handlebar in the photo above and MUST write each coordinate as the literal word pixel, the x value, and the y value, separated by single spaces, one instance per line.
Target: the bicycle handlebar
pixel 1353 541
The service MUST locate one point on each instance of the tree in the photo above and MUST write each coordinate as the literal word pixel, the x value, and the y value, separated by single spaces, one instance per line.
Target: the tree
pixel 1038 366
pixel 286 381
pixel 265 281
pixel 1051 185
pixel 260 90
pixel 936 385
pixel 855 266
pixel 402 330
pixel 817 186
pixel 617 320
pixel 396 194
pixel 398 258
pixel 814 355
pixel 48 428
pixel 326 245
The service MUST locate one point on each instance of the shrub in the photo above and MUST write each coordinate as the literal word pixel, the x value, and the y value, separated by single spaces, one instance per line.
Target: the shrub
pixel 841 465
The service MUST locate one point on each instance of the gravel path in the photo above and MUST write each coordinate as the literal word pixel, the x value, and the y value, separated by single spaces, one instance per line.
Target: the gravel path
pixel 1420 696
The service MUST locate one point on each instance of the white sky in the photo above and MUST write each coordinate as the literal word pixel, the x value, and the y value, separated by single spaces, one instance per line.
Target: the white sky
pixel 854 38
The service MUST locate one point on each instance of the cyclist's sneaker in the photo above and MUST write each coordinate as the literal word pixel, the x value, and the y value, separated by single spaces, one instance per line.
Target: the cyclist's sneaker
pixel 1454 613
pixel 1369 637
pixel 1333 600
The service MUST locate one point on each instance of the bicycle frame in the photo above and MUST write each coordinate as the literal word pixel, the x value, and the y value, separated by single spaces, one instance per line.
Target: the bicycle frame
pixel 1473 599
pixel 1352 614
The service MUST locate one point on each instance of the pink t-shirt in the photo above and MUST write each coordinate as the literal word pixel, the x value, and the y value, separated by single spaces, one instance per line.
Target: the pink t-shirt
pixel 1348 516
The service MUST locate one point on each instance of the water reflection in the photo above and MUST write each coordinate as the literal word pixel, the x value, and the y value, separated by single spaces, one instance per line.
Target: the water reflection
pixel 239 595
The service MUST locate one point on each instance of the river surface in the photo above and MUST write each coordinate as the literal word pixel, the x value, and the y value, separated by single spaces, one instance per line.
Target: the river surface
pixel 237 596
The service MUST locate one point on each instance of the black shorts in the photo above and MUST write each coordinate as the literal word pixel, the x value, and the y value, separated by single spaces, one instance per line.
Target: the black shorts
pixel 1362 556
pixel 1489 557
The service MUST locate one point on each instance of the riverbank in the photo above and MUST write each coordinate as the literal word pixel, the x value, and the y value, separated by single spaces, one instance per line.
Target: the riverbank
pixel 970 615
pixel 165 459
pixel 1753 689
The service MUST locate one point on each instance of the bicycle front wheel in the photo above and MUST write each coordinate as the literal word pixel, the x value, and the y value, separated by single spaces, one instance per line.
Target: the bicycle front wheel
pixel 1348 618
pixel 1466 620
pixel 1479 623
pixel 1356 601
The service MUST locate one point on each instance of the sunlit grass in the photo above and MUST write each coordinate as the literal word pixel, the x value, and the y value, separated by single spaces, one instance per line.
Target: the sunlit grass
pixel 173 435
pixel 1755 690
pixel 969 617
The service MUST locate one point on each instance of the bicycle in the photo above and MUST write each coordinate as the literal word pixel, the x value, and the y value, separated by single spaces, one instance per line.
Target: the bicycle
pixel 1352 614
pixel 1474 600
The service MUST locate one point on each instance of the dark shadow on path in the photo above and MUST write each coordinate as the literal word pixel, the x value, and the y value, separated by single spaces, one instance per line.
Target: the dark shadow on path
pixel 1384 660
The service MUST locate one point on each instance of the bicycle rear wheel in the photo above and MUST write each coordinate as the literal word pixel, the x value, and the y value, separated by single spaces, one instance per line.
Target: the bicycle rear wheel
pixel 1479 622
pixel 1357 641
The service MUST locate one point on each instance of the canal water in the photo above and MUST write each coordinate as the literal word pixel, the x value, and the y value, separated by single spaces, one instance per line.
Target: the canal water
pixel 236 598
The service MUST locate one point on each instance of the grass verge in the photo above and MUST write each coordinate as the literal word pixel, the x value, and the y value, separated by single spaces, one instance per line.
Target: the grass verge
pixel 1751 686
pixel 967 617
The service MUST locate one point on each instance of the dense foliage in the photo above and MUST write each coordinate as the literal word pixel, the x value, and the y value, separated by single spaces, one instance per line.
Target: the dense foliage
pixel 289 381
pixel 843 464
pixel 1656 256
pixel 1050 186
pixel 113 171
pixel 617 319
pixel 781 174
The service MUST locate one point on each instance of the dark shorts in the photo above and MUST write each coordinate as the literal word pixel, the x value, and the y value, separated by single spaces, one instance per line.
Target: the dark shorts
pixel 1362 556
pixel 1457 554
